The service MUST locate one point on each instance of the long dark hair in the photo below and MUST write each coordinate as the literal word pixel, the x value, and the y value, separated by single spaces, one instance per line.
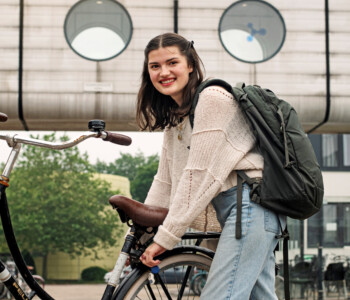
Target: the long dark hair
pixel 155 110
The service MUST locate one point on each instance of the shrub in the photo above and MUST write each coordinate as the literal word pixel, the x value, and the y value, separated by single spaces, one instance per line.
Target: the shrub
pixel 93 274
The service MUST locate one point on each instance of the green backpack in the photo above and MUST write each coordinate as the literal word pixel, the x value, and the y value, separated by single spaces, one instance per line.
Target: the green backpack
pixel 292 183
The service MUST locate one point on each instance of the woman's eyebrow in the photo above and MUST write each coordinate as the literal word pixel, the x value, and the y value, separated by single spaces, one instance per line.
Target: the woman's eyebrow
pixel 155 62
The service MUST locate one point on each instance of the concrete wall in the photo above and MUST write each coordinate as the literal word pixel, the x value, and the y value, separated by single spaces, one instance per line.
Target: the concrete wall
pixel 54 76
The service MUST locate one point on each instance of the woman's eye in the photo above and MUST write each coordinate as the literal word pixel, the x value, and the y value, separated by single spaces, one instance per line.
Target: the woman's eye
pixel 154 67
pixel 173 63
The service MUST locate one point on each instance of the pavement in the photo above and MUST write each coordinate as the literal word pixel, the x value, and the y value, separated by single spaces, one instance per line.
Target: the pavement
pixel 75 291
pixel 93 292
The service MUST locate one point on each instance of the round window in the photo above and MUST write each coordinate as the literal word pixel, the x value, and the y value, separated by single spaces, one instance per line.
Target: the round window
pixel 252 31
pixel 98 29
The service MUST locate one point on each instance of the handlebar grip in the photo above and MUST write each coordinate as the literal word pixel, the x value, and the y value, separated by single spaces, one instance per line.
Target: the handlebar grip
pixel 3 117
pixel 119 139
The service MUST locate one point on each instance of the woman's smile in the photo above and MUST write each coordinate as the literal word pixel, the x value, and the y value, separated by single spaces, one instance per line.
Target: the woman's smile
pixel 167 82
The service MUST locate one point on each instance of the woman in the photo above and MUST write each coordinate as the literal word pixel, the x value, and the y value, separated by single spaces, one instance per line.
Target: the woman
pixel 196 178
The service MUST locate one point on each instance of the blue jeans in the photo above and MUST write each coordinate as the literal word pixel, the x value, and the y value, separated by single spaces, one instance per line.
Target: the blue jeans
pixel 243 269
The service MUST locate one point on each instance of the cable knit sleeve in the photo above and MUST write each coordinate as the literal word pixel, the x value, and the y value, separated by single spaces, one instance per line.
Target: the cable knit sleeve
pixel 221 138
pixel 159 193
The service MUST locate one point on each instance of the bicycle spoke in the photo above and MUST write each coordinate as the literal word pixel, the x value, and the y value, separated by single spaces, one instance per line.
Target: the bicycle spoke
pixel 149 289
pixel 184 281
pixel 163 286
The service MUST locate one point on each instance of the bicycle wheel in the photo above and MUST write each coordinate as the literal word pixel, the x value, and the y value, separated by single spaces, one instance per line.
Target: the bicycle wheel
pixel 28 290
pixel 175 273
pixel 39 280
pixel 279 287
pixel 198 283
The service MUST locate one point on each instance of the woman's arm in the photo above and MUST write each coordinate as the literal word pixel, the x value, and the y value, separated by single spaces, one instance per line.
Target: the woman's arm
pixel 220 141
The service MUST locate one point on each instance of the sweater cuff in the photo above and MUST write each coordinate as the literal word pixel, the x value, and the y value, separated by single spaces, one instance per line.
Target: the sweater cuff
pixel 165 238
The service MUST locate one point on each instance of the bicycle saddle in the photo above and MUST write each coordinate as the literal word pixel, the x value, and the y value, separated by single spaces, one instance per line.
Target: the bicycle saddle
pixel 141 214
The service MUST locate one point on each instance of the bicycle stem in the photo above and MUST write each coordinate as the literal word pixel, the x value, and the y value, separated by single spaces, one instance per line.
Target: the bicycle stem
pixel 11 160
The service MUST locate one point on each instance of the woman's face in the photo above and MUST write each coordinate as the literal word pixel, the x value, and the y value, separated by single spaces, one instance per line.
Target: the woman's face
pixel 169 71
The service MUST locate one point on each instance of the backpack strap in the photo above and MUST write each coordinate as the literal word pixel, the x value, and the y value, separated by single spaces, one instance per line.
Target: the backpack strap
pixel 253 183
pixel 240 85
pixel 239 208
pixel 285 265
pixel 201 87
pixel 285 236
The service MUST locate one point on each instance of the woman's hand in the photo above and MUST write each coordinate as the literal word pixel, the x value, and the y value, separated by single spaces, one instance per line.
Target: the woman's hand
pixel 147 258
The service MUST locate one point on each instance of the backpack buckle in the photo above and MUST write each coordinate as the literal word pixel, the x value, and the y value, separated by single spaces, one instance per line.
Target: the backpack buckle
pixel 254 190
pixel 284 235
pixel 255 198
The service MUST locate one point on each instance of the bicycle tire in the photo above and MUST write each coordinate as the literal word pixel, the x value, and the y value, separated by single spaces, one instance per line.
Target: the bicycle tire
pixel 138 283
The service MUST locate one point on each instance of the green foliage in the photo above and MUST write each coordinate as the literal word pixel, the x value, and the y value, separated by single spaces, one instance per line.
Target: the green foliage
pixel 139 169
pixel 93 274
pixel 142 182
pixel 57 204
pixel 126 165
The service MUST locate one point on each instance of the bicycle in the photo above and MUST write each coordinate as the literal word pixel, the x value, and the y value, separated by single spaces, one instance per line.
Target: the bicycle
pixel 4 292
pixel 337 275
pixel 11 266
pixel 179 257
pixel 23 284
pixel 142 282
pixel 198 282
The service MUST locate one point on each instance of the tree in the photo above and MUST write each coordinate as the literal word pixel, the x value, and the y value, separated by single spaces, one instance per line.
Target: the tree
pixel 139 169
pixel 57 204
pixel 141 184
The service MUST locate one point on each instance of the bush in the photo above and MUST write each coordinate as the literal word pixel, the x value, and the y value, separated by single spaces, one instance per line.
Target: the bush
pixel 93 274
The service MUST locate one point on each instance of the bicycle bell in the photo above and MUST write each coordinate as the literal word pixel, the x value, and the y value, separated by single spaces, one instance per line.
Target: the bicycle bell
pixel 97 125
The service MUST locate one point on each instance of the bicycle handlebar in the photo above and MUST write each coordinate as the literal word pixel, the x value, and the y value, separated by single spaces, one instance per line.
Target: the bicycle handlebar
pixel 3 117
pixel 106 136
pixel 97 127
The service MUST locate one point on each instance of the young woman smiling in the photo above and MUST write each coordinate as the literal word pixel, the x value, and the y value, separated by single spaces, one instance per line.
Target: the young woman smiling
pixel 196 177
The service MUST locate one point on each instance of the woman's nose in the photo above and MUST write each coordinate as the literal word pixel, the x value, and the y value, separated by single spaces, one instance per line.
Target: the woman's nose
pixel 164 71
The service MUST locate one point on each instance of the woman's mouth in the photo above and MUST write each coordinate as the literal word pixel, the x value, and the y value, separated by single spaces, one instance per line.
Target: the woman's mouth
pixel 167 82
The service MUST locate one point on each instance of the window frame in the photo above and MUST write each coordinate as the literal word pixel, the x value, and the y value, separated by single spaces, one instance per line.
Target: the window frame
pixel 340 232
pixel 316 141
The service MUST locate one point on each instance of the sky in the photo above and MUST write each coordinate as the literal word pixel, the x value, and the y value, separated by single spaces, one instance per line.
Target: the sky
pixel 97 149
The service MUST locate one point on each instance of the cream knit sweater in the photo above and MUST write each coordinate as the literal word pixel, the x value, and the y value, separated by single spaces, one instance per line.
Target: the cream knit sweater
pixel 196 165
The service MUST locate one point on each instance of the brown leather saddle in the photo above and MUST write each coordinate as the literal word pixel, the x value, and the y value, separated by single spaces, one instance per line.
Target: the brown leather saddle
pixel 139 213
